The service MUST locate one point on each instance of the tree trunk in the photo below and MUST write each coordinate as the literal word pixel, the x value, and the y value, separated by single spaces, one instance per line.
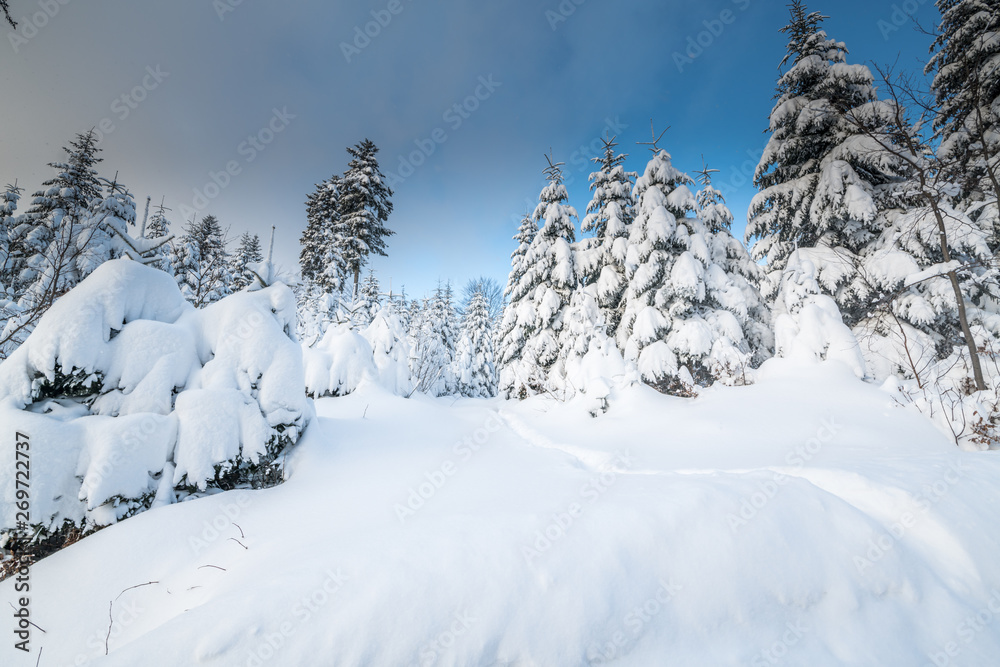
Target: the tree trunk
pixel 977 370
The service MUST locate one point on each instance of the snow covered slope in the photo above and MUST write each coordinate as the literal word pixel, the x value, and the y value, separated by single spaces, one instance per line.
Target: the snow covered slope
pixel 800 521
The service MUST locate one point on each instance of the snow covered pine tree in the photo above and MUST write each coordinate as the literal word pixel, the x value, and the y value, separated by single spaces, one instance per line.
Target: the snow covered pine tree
pixel 247 254
pixel 544 290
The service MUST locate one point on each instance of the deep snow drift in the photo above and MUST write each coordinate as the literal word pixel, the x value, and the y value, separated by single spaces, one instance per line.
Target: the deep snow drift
pixel 804 520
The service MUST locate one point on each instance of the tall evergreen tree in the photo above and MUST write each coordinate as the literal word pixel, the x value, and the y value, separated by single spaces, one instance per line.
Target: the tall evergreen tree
pixel 475 370
pixel 201 263
pixel 966 84
pixel 8 305
pixel 434 334
pixel 742 273
pixel 8 221
pixel 518 318
pixel 248 252
pixel 656 240
pixel 320 258
pixel 691 316
pixel 46 241
pixel 601 258
pixel 364 206
pixel 547 286
pixel 72 226
pixel 821 182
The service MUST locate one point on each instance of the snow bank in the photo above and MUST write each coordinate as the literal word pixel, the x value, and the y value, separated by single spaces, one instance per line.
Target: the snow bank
pixel 124 388
pixel 798 521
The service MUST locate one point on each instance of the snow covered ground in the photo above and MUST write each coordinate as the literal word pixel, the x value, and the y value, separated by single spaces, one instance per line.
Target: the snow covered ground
pixel 801 521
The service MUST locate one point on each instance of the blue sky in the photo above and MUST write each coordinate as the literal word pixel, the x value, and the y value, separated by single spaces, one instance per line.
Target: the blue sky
pixel 272 93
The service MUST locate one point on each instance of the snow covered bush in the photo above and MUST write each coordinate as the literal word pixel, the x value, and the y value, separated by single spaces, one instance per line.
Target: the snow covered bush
pixel 807 323
pixel 390 352
pixel 339 362
pixel 969 417
pixel 589 361
pixel 346 357
pixel 129 394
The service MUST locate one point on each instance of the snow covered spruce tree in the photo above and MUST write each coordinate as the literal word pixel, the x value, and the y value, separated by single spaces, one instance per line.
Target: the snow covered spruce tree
pixel 131 411
pixel 201 263
pixel 71 228
pixel 545 288
pixel 8 210
pixel 601 258
pixel 369 300
pixel 518 318
pixel 966 84
pixel 655 242
pixel 433 345
pixel 247 254
pixel 46 239
pixel 320 259
pixel 363 208
pixel 8 221
pixel 691 317
pixel 739 292
pixel 821 183
pixel 491 290
pixel 158 230
pixel 474 365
